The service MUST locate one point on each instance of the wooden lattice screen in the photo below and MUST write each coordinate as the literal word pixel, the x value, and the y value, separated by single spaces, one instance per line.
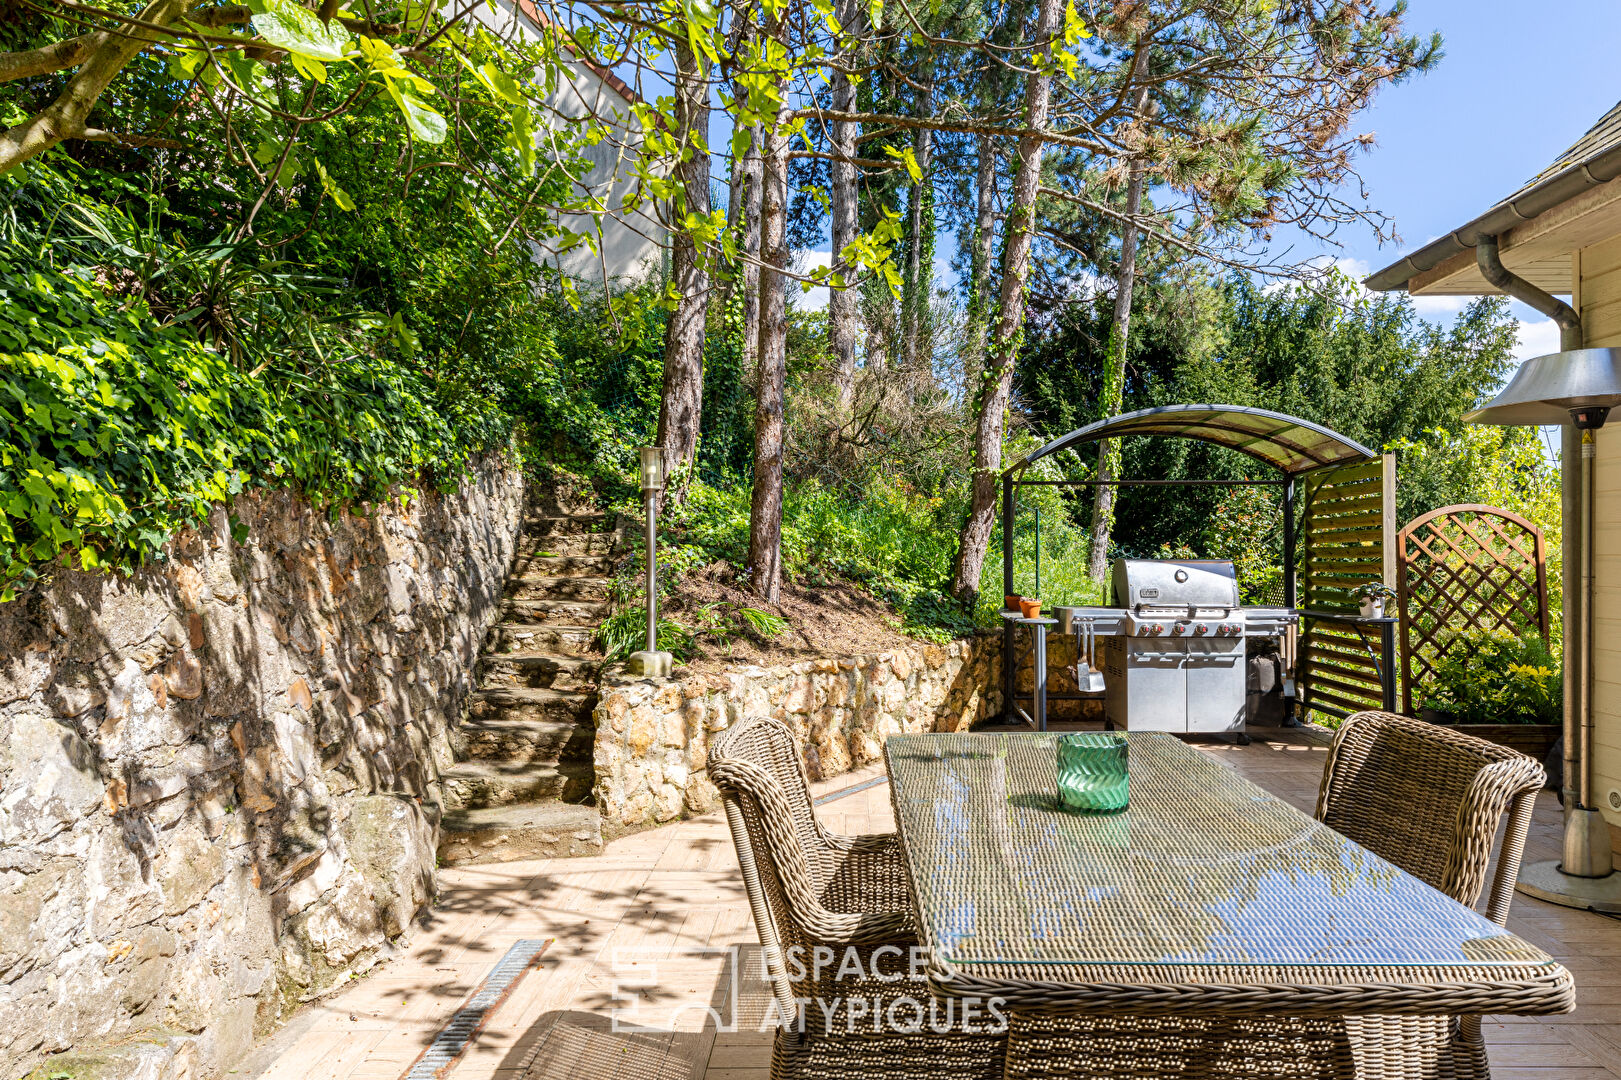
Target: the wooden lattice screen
pixel 1466 566
pixel 1348 532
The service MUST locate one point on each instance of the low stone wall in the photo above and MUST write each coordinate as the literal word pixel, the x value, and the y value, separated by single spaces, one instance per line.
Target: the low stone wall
pixel 218 778
pixel 652 737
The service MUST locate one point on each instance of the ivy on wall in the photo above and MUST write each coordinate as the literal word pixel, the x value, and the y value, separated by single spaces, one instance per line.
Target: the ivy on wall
pixel 116 430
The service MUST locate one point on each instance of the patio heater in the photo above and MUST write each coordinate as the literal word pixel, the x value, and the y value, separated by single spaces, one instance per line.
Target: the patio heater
pixel 650 661
pixel 1576 390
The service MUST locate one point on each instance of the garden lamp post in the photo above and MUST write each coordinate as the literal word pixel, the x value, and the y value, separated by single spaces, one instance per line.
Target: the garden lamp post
pixel 1577 387
pixel 650 661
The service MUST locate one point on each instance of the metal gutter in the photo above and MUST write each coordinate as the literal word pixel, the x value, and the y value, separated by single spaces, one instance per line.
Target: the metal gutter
pixel 1559 188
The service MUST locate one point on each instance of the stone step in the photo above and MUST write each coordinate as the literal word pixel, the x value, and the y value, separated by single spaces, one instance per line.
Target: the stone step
pixel 499 739
pixel 563 525
pixel 538 669
pixel 565 566
pixel 566 499
pixel 554 612
pixel 531 703
pixel 511 637
pixel 545 587
pixel 472 785
pixel 546 830
pixel 596 543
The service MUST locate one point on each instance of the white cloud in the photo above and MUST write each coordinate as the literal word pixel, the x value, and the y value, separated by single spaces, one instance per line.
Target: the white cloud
pixel 804 261
pixel 1440 308
pixel 1536 339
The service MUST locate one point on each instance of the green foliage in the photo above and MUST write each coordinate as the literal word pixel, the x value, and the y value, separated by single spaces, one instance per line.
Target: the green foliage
pixel 1495 677
pixel 1365 366
pixel 1065 547
pixel 893 541
pixel 1247 527
pixel 625 632
pixel 115 431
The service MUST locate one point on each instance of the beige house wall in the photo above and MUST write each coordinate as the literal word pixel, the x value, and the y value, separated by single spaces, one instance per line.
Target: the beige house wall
pixel 1597 292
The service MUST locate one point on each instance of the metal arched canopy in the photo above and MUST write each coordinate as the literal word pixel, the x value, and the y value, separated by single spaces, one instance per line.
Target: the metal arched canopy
pixel 1285 442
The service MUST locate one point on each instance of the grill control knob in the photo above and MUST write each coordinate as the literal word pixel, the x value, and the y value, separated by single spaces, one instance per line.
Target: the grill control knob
pixel 1201 629
pixel 1234 629
pixel 1154 629
pixel 1179 629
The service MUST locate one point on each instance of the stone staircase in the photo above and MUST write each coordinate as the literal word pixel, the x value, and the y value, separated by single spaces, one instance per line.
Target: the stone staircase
pixel 521 787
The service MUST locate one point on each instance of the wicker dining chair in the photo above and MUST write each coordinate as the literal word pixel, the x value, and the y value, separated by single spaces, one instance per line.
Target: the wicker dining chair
pixel 1430 800
pixel 810 889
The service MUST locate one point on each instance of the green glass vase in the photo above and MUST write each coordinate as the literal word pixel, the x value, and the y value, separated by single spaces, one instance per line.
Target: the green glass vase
pixel 1092 773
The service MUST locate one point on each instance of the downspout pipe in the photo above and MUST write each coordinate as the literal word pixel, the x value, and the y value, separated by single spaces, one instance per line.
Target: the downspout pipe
pixel 1587 839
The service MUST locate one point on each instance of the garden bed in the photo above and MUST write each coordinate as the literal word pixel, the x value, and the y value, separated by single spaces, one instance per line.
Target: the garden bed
pixel 1533 740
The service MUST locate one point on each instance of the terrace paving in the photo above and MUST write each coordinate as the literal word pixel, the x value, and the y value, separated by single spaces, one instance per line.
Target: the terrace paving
pixel 664 907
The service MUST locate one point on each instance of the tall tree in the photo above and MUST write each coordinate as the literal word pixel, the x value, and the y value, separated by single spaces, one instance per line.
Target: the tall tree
pixel 1008 328
pixel 1114 370
pixel 681 406
pixel 844 304
pixel 753 179
pixel 919 232
pixel 982 253
pixel 765 508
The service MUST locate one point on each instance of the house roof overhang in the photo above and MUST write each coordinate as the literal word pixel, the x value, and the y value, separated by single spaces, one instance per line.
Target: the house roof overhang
pixel 1572 204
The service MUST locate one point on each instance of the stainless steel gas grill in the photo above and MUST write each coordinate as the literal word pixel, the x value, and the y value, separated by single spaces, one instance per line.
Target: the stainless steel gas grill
pixel 1178 660
pixel 1173 653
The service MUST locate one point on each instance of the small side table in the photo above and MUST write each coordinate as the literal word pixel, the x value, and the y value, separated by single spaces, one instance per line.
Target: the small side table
pixel 1038 628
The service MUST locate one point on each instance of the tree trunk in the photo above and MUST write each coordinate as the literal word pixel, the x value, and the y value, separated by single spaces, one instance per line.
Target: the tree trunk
pixel 1007 331
pixel 843 305
pixel 915 299
pixel 979 274
pixel 681 407
pixel 765 511
pixel 751 251
pixel 106 53
pixel 1114 363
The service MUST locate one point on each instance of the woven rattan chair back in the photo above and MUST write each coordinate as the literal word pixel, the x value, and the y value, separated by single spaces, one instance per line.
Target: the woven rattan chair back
pixel 807 887
pixel 1430 800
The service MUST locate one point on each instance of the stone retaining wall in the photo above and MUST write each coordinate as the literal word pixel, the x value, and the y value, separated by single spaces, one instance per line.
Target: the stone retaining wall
pixel 653 735
pixel 218 778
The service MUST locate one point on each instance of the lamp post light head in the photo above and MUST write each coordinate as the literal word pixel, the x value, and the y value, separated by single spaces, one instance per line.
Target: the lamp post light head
pixel 653 468
pixel 1576 387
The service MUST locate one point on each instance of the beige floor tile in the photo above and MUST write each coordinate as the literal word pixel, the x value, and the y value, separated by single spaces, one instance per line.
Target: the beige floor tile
pixel 671 899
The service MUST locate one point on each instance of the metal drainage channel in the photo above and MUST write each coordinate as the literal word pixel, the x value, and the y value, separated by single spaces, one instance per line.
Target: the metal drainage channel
pixel 851 790
pixel 466 1022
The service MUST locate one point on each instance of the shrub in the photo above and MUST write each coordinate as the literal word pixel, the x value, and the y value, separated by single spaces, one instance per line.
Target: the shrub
pixel 1495 677
pixel 116 430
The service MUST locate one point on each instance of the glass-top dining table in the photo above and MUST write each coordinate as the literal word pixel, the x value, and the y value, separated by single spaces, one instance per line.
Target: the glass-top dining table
pixel 1207 897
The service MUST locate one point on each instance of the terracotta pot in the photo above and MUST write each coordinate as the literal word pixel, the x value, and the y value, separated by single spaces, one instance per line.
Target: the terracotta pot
pixel 1030 609
pixel 1011 601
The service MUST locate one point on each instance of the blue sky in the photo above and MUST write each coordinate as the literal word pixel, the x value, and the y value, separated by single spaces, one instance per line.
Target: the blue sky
pixel 1517 86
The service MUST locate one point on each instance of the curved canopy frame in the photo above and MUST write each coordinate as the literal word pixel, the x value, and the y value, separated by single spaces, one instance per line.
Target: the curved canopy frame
pixel 1287 443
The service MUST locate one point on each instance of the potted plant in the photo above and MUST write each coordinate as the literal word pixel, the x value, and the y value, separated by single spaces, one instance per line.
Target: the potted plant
pixel 1498 685
pixel 1030 607
pixel 1374 596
